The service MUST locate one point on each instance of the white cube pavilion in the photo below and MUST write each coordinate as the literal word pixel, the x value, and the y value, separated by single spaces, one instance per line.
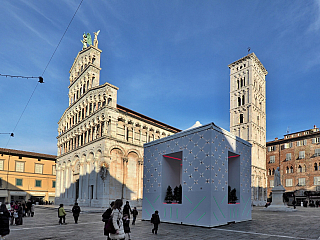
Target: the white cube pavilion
pixel 205 161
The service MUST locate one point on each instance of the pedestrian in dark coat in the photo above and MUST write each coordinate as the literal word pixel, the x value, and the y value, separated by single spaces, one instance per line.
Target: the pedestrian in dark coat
pixel 76 212
pixel 29 204
pixel 126 226
pixel 105 217
pixel 127 209
pixel 4 221
pixel 155 219
pixel 19 219
pixel 134 215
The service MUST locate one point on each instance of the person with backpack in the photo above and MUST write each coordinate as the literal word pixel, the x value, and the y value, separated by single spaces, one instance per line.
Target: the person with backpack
pixel 105 217
pixel 61 214
pixel 76 212
pixel 155 219
pixel 117 221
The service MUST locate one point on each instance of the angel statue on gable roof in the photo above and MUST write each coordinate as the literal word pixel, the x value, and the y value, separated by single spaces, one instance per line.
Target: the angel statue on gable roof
pixel 95 41
pixel 84 41
pixel 89 40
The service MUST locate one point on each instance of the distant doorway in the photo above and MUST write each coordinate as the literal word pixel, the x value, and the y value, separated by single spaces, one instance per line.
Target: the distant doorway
pixel 77 189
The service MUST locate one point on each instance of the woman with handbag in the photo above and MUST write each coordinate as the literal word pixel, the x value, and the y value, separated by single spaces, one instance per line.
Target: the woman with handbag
pixel 117 221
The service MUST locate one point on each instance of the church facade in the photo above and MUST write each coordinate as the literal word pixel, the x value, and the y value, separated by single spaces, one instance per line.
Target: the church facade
pixel 248 117
pixel 100 143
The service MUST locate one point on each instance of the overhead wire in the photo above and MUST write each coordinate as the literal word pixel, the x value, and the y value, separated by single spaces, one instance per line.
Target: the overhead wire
pixel 42 72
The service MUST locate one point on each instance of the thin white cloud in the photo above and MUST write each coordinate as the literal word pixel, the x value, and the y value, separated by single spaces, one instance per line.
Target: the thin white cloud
pixel 315 25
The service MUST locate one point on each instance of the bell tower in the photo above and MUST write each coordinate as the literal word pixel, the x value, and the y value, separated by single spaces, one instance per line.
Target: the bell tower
pixel 248 116
pixel 84 73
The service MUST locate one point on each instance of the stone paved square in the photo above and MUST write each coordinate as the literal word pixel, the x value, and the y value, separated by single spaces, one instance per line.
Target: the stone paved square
pixel 303 224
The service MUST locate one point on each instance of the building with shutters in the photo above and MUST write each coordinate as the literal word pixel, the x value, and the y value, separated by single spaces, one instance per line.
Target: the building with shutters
pixel 298 156
pixel 100 143
pixel 26 175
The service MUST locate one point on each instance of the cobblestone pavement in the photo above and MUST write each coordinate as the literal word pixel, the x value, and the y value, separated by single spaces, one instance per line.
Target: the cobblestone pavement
pixel 303 224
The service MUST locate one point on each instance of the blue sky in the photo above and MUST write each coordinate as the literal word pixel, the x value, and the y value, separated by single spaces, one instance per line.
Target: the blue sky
pixel 169 59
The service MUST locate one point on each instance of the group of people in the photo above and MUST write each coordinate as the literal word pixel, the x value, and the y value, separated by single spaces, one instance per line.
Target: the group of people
pixel 13 213
pixel 18 210
pixel 62 213
pixel 117 221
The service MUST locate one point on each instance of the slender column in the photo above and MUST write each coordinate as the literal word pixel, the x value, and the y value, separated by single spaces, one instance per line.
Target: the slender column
pixel 67 183
pixel 95 182
pixel 124 172
pixel 125 132
pixel 87 182
pixel 80 181
pixel 58 188
pixel 62 182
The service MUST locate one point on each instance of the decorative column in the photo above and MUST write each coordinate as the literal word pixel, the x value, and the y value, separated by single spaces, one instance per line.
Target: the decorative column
pixel 140 178
pixel 62 182
pixel 95 180
pixel 80 180
pixel 125 132
pixel 87 181
pixel 58 186
pixel 124 176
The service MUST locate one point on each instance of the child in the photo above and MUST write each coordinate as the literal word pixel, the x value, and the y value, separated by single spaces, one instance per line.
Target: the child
pixel 155 219
pixel 126 228
pixel 61 214
pixel 32 210
pixel 134 214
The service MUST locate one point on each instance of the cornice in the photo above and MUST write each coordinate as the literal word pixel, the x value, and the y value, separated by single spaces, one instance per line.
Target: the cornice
pixel 249 56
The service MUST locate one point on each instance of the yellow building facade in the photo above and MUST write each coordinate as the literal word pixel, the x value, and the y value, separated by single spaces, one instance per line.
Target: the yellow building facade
pixel 26 175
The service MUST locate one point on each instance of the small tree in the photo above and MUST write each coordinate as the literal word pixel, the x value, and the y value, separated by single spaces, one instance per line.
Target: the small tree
pixel 177 194
pixel 169 195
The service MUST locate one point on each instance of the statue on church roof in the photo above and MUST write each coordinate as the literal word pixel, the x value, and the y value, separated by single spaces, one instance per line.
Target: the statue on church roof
pixel 95 41
pixel 89 40
pixel 84 41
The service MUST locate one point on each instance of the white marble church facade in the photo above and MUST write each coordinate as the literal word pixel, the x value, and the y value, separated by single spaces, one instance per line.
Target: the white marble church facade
pixel 100 143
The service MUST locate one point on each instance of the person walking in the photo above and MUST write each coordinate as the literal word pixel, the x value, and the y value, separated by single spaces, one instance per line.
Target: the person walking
pixel 12 213
pixel 155 219
pixel 134 215
pixel 61 214
pixel 4 221
pixel 127 209
pixel 117 221
pixel 19 220
pixel 29 204
pixel 126 227
pixel 105 218
pixel 76 212
pixel 32 210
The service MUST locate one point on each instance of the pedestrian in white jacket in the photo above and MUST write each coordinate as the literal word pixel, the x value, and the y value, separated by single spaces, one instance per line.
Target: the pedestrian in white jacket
pixel 117 221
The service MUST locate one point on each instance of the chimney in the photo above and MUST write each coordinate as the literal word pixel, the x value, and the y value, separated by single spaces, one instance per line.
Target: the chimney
pixel 276 139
